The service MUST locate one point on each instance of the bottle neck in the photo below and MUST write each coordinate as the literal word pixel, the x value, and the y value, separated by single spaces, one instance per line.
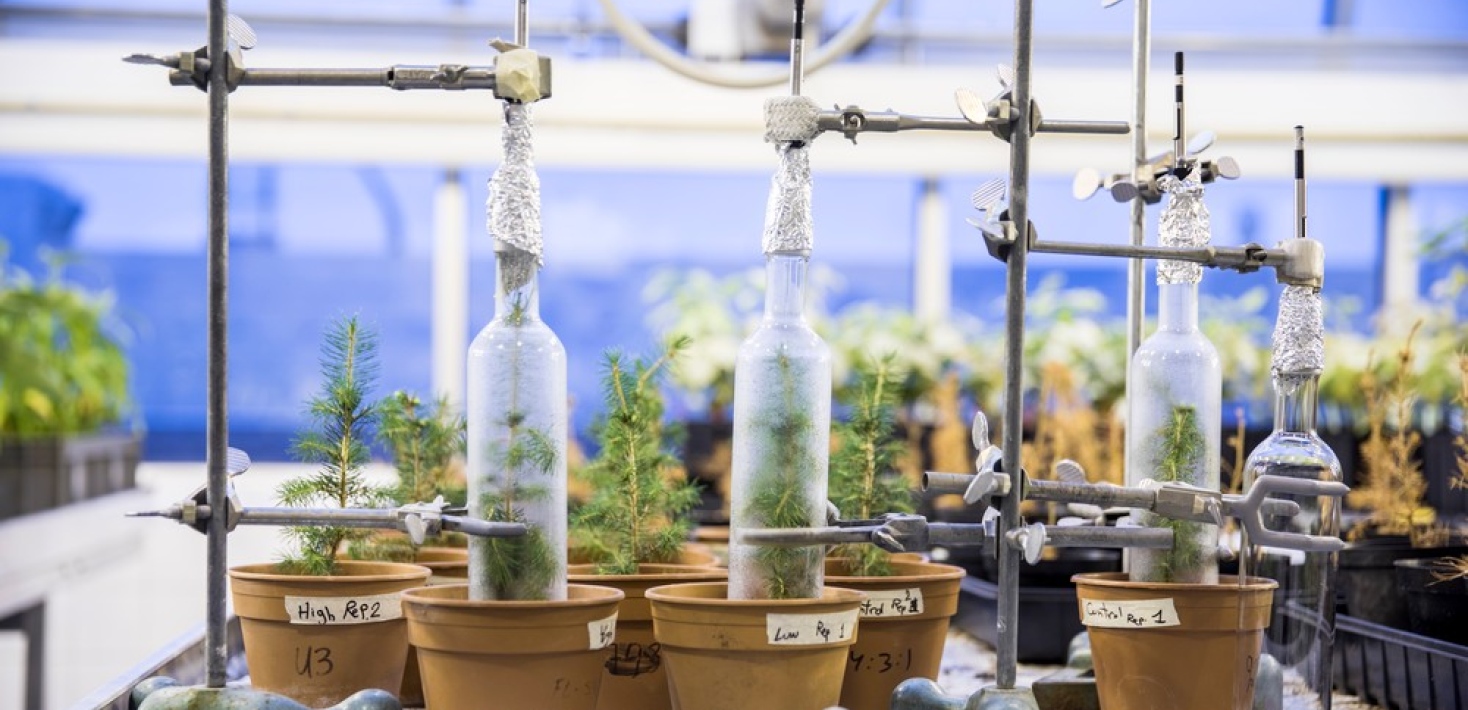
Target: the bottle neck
pixel 1177 308
pixel 785 286
pixel 522 303
pixel 1295 402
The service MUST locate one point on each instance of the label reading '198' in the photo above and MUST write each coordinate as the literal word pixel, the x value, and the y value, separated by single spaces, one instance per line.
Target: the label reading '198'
pixel 365 609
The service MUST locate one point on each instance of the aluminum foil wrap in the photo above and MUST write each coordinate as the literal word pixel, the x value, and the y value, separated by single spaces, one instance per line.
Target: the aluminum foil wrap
pixel 791 118
pixel 514 201
pixel 1184 223
pixel 1299 333
pixel 788 226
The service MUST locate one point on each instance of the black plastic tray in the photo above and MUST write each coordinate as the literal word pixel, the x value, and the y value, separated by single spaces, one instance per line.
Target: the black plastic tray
pixel 1399 669
pixel 1048 618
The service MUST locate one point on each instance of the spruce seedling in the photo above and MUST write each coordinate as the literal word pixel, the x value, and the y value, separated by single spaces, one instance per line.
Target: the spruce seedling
pixel 863 482
pixel 1392 485
pixel 638 512
pixel 424 441
pixel 1181 446
pixel 778 500
pixel 342 415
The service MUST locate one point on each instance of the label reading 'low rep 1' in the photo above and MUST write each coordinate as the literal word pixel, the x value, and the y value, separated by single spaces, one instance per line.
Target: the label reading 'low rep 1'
pixel 602 632
pixel 1138 614
pixel 810 629
pixel 364 609
pixel 892 602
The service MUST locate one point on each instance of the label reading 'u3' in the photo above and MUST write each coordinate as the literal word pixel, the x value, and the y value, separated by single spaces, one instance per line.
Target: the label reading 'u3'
pixel 364 609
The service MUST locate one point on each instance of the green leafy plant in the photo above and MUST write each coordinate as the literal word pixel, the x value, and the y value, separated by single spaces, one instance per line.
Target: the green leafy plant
pixel 863 481
pixel 342 415
pixel 425 441
pixel 1181 445
pixel 638 511
pixel 778 499
pixel 62 370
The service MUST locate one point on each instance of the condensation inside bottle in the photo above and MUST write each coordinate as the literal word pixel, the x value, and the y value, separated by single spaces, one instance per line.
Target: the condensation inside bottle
pixel 782 420
pixel 517 444
pixel 1173 433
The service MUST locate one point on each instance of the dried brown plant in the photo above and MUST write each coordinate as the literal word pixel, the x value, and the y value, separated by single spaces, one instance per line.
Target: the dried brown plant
pixel 1448 569
pixel 1068 427
pixel 1392 486
pixel 1461 480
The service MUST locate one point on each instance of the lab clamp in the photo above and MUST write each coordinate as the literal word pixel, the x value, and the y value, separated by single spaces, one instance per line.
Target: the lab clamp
pixel 518 75
pixel 1013 116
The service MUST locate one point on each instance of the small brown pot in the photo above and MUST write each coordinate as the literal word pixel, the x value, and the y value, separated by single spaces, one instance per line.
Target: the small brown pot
pixel 511 655
pixel 1205 658
pixel 450 565
pixel 635 678
pixel 730 654
pixel 904 623
pixel 321 639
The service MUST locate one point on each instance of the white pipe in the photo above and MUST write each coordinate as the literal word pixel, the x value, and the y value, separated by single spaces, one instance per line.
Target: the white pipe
pixel 450 288
pixel 1399 260
pixel 932 268
pixel 842 44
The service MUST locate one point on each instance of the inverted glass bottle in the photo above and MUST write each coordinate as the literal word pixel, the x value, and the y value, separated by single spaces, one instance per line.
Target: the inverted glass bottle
pixel 1303 624
pixel 517 441
pixel 782 440
pixel 1173 433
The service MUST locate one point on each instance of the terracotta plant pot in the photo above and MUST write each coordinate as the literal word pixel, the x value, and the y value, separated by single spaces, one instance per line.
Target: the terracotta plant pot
pixel 321 639
pixel 635 678
pixel 724 654
pixel 1156 645
pixel 904 623
pixel 450 565
pixel 511 655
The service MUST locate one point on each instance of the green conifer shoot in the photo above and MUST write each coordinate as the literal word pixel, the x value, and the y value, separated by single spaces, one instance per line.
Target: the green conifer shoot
pixel 863 482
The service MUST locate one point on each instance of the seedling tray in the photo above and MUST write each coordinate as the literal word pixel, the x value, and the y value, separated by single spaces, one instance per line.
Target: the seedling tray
pixel 1399 669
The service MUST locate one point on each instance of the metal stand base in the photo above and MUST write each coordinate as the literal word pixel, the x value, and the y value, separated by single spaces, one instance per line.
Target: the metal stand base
pixel 923 694
pixel 166 694
pixel 992 698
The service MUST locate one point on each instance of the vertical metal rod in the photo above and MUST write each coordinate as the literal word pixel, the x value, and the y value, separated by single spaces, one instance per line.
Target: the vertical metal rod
pixel 217 426
pixel 1136 304
pixel 1014 315
pixel 797 48
pixel 1300 182
pixel 1180 128
pixel 522 23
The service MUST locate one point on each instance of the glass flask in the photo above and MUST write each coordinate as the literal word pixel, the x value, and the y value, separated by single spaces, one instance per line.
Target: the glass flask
pixel 782 423
pixel 1302 628
pixel 1174 404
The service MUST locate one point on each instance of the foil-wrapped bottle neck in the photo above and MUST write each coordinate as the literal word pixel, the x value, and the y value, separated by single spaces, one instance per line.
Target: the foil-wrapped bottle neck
pixel 1184 222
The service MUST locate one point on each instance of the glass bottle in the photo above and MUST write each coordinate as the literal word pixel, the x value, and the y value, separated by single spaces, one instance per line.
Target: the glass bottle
pixel 782 423
pixel 1174 426
pixel 1303 625
pixel 516 399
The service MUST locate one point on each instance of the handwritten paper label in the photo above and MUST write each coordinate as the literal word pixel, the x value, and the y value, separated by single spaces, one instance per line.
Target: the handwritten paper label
pixel 602 632
pixel 364 609
pixel 1139 614
pixel 810 629
pixel 892 602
